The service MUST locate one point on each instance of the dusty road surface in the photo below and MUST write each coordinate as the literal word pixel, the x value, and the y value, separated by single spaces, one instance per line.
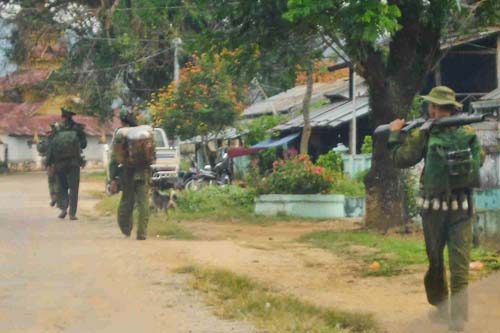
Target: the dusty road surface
pixel 83 276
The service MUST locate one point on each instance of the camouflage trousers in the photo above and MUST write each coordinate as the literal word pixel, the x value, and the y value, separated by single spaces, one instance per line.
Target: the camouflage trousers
pixel 68 183
pixel 134 192
pixel 454 230
pixel 52 180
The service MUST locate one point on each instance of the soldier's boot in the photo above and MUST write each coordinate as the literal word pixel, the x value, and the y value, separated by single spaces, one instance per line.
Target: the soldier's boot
pixel 440 314
pixel 53 202
pixel 73 218
pixel 457 326
pixel 63 214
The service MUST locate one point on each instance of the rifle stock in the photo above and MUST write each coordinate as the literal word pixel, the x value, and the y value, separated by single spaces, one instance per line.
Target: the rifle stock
pixel 459 120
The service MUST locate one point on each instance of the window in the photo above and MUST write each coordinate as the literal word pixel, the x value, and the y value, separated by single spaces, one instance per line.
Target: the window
pixel 159 140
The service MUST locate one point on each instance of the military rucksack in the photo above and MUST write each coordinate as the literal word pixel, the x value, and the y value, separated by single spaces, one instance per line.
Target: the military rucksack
pixel 42 147
pixel 450 163
pixel 134 146
pixel 65 145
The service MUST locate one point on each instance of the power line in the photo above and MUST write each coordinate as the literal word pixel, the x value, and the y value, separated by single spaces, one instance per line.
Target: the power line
pixel 91 10
pixel 105 69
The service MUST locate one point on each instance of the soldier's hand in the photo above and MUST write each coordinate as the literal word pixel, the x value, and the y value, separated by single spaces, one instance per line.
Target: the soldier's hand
pixel 397 125
pixel 114 187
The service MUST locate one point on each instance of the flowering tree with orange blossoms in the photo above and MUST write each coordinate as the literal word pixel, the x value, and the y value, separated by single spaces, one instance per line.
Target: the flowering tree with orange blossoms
pixel 205 101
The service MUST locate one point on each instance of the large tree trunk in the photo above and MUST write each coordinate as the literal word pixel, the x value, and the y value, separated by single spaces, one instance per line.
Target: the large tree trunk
pixel 393 81
pixel 385 192
pixel 306 132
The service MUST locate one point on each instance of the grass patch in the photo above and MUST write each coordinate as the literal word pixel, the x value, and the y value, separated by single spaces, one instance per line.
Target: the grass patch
pixel 158 224
pixel 108 205
pixel 394 253
pixel 240 298
pixel 94 176
pixel 218 202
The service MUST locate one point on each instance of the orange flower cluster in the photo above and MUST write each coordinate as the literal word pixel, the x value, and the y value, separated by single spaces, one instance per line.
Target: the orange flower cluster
pixel 321 73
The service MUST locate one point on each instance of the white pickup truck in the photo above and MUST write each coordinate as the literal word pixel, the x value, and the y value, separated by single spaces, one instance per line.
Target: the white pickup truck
pixel 166 166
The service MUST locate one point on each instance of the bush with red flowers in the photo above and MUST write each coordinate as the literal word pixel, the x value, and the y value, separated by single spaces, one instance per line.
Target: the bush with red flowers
pixel 297 175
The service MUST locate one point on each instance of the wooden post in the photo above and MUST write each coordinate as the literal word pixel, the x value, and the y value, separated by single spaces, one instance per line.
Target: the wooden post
pixel 437 75
pixel 498 61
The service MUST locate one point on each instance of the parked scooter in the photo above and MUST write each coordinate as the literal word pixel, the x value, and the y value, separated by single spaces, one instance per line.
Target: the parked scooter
pixel 220 175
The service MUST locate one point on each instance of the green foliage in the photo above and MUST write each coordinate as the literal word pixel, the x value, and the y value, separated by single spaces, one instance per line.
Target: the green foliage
pixel 204 101
pixel 416 108
pixel 296 176
pixel 238 297
pixel 257 130
pixel 367 147
pixel 216 202
pixel 331 161
pixel 366 20
pixel 411 185
pixel 348 187
pixel 271 45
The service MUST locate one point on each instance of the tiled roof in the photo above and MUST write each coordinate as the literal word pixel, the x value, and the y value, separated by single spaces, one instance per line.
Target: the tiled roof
pixel 23 78
pixel 20 120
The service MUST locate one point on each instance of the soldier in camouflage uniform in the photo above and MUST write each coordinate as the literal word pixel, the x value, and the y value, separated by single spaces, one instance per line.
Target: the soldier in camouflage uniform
pixel 135 188
pixel 43 147
pixel 447 209
pixel 67 171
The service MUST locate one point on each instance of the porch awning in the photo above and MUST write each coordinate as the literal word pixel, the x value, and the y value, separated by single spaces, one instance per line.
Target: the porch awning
pixel 242 151
pixel 276 142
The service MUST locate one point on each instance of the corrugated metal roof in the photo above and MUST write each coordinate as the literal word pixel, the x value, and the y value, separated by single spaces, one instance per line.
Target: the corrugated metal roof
pixel 495 94
pixel 292 99
pixel 463 39
pixel 490 100
pixel 329 116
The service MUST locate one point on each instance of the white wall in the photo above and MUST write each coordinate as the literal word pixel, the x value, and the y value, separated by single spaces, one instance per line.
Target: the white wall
pixel 20 152
pixel 94 150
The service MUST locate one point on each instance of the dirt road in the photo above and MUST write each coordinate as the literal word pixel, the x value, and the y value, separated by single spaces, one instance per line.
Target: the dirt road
pixel 82 277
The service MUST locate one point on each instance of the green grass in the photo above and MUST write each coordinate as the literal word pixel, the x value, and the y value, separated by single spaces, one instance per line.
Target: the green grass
pixel 394 253
pixel 158 223
pixel 160 226
pixel 94 176
pixel 240 298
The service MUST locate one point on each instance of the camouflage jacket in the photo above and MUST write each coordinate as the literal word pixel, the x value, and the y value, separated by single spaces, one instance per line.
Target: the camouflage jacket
pixel 407 150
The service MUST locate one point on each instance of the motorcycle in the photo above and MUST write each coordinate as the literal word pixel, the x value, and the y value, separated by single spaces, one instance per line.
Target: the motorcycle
pixel 220 175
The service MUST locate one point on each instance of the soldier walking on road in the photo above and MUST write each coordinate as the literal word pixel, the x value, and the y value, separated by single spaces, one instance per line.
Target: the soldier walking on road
pixel 64 155
pixel 42 148
pixel 133 169
pixel 452 158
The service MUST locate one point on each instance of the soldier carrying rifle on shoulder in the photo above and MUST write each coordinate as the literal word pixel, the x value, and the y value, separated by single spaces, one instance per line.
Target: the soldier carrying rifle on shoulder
pixel 452 156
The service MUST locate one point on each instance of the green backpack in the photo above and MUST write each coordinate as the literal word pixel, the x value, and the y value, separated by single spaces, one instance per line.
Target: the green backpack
pixel 450 163
pixel 65 145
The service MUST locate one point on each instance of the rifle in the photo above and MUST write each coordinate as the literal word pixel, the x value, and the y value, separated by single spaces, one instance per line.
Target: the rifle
pixel 459 120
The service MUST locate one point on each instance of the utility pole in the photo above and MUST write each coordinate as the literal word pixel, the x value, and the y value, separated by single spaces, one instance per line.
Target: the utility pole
pixel 177 69
pixel 354 124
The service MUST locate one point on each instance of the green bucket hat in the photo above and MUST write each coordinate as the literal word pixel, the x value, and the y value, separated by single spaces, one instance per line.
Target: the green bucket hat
pixel 442 96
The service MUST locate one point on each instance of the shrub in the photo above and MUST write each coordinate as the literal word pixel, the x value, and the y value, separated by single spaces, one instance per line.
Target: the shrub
pixel 216 199
pixel 331 161
pixel 367 147
pixel 296 176
pixel 348 187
